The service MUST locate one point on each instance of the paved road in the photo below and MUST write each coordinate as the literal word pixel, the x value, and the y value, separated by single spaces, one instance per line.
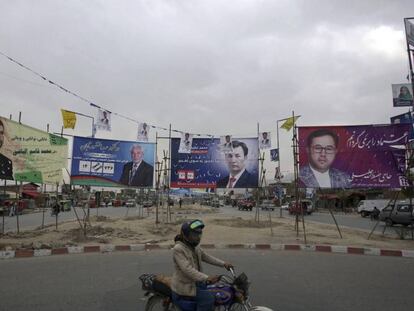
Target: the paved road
pixel 282 280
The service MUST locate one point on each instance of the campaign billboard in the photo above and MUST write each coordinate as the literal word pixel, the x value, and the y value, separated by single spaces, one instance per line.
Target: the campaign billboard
pixel 402 95
pixel 112 163
pixel 362 156
pixel 31 155
pixel 210 165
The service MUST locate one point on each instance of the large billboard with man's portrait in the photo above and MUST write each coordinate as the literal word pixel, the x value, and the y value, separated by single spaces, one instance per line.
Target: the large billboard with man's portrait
pixel 210 163
pixel 31 155
pixel 112 163
pixel 363 156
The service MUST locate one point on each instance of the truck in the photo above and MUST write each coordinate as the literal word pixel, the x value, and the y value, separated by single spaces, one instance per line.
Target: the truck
pixel 365 207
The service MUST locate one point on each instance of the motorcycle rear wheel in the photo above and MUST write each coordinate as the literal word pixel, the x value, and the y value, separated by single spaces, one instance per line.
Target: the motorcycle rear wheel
pixel 158 303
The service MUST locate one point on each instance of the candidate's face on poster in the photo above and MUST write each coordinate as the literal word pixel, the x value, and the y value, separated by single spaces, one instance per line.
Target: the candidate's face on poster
pixel 235 160
pixel 137 154
pixel 322 152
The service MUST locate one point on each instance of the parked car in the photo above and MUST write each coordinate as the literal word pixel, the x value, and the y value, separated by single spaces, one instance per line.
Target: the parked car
pixel 285 206
pixel 296 209
pixel 401 214
pixel 246 204
pixel 267 205
pixel 130 203
pixel 147 203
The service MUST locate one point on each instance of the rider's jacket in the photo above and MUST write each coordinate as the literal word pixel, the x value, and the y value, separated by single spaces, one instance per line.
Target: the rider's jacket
pixel 188 269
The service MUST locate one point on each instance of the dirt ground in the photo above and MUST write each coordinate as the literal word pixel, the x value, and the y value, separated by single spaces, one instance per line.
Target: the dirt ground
pixel 219 229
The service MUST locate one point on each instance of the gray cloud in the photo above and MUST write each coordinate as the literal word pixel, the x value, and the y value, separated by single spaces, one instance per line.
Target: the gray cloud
pixel 205 66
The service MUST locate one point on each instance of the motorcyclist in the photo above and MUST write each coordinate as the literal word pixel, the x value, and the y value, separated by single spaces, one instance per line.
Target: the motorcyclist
pixel 189 281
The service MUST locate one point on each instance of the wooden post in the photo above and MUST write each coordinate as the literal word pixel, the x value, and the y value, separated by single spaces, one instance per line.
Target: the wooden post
pixel 298 202
pixel 57 205
pixel 257 215
pixel 17 205
pixel 157 181
pixel 5 184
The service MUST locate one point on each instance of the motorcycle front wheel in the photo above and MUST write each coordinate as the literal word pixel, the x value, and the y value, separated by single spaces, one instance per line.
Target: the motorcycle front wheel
pixel 158 303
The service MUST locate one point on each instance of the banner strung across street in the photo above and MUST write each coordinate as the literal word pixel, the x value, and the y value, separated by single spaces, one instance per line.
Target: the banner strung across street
pixel 31 155
pixel 211 164
pixel 402 95
pixel 353 156
pixel 112 163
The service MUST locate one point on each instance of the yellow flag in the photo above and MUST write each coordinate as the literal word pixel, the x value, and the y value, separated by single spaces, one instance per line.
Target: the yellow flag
pixel 288 124
pixel 69 119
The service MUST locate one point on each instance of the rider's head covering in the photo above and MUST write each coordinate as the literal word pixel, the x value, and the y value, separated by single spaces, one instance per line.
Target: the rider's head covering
pixel 191 231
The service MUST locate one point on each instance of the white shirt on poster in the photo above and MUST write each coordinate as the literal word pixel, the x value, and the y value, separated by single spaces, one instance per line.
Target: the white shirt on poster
pixel 323 179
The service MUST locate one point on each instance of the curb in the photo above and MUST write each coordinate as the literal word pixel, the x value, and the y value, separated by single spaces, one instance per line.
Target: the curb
pixel 110 248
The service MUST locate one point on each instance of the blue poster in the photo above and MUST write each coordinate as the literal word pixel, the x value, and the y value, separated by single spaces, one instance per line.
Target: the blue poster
pixel 112 163
pixel 405 118
pixel 212 165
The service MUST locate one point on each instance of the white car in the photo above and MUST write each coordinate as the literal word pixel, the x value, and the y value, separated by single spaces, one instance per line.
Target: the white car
pixel 285 206
pixel 130 203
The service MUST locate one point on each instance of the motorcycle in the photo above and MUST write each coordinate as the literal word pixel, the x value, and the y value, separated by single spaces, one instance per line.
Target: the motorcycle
pixel 231 294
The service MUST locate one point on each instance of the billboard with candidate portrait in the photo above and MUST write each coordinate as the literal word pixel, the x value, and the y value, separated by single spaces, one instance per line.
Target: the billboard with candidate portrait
pixel 208 165
pixel 105 162
pixel 29 154
pixel 365 156
pixel 402 95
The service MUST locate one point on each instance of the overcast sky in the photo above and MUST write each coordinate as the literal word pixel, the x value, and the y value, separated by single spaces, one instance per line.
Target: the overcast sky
pixel 216 67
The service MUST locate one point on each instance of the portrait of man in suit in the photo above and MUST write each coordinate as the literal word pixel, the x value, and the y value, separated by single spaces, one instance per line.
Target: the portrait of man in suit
pixel 322 148
pixel 137 173
pixel 143 132
pixel 185 143
pixel 226 143
pixel 264 142
pixel 6 165
pixel 238 176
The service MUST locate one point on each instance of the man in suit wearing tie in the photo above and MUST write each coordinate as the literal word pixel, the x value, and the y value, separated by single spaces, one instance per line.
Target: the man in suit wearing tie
pixel 6 165
pixel 137 173
pixel 239 177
